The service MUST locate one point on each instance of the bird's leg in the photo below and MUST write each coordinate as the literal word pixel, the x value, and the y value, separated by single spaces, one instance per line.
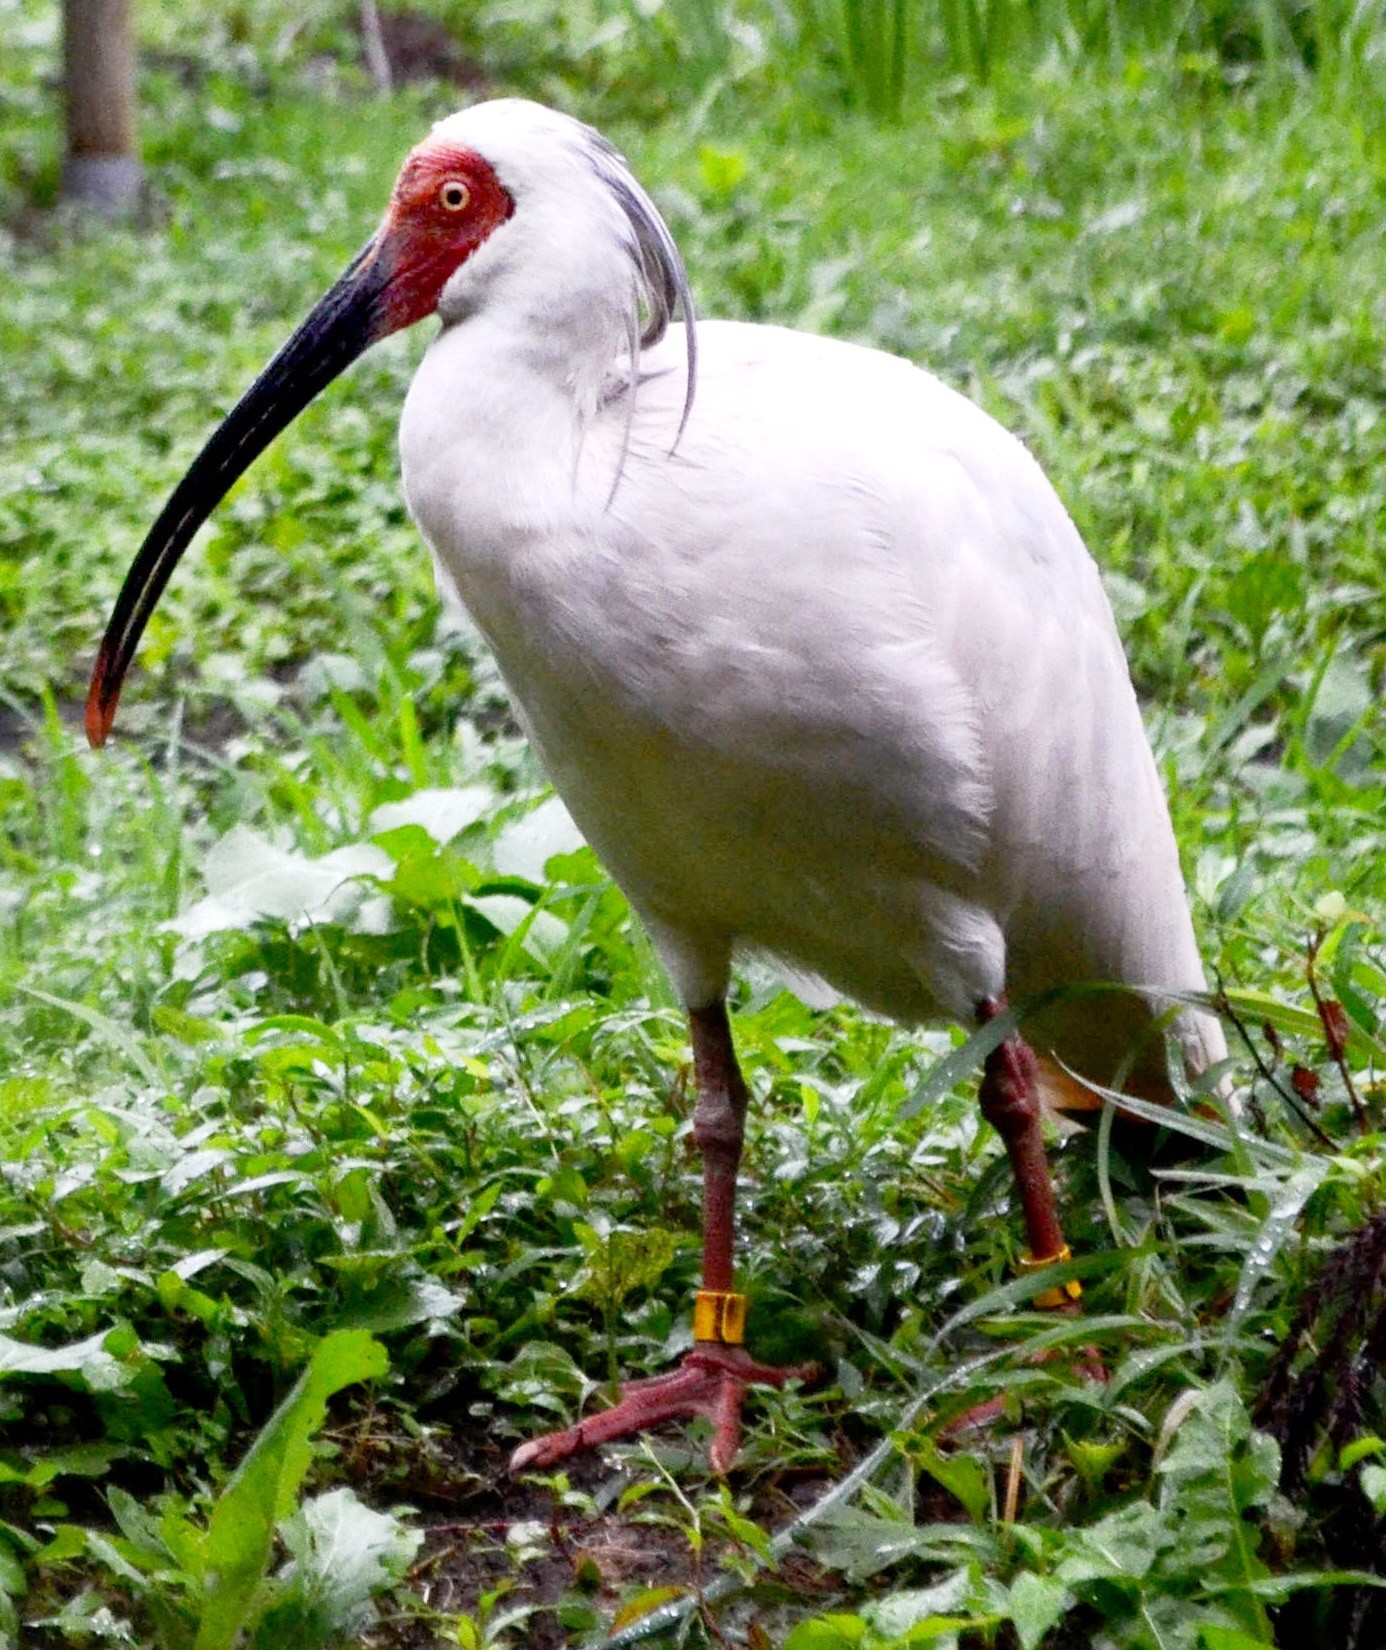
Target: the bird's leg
pixel 719 1127
pixel 711 1378
pixel 1010 1102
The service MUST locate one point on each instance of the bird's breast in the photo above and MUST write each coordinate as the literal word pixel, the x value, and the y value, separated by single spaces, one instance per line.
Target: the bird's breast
pixel 833 676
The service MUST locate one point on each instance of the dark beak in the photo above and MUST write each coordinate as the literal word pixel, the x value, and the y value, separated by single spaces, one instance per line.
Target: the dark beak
pixel 343 324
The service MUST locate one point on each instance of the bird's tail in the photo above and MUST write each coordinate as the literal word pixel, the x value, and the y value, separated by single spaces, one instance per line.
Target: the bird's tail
pixel 1200 1038
pixel 1060 1092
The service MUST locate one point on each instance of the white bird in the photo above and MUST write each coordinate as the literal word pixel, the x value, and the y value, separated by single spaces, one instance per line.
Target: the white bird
pixel 808 644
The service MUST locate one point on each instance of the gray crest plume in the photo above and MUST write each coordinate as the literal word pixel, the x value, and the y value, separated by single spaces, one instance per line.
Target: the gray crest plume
pixel 660 277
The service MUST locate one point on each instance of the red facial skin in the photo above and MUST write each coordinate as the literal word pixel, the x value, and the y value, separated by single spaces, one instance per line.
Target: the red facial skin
pixel 428 240
pixel 446 202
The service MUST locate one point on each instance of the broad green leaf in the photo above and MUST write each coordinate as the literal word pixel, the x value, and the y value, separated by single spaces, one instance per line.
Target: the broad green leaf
pixel 477 1210
pixel 1093 1458
pixel 89 1360
pixel 1230 1638
pixel 22 1097
pixel 1216 1427
pixel 1037 1603
pixel 444 814
pixel 913 1609
pixel 837 1632
pixel 262 1491
pixel 961 1474
pixel 863 1544
pixel 745 1530
pixel 138 1525
pixel 1121 1546
pixel 343 1554
pixel 187 1028
pixel 1343 697
pixel 429 877
pixel 1360 1449
pixel 397 1303
pixel 12 1578
pixel 524 846
pixel 76 1461
pixel 1373 1481
pixel 106 1552
pixel 250 879
pixel 542 933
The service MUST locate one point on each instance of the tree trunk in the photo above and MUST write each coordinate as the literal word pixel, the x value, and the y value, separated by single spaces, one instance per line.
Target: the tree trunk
pixel 102 168
pixel 373 41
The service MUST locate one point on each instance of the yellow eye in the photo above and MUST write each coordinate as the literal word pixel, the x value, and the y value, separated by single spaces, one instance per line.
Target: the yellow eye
pixel 454 195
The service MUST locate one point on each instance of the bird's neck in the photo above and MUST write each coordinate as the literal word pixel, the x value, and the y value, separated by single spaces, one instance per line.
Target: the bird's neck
pixel 562 319
pixel 504 446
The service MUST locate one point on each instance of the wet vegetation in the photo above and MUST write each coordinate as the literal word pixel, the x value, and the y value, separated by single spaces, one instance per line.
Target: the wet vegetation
pixel 345 1114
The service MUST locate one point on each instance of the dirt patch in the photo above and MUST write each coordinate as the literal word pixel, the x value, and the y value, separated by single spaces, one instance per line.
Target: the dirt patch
pixel 561 1566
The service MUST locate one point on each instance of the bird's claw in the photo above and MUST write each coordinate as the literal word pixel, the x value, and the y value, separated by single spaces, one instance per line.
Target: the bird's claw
pixel 709 1382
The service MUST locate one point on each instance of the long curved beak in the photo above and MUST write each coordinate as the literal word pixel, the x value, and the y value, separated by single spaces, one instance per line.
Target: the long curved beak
pixel 345 321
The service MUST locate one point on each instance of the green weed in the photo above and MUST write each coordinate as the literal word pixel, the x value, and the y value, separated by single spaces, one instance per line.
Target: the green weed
pixel 318 1021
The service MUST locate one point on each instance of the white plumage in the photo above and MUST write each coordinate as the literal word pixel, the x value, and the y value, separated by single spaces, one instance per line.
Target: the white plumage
pixel 830 674
pixel 810 647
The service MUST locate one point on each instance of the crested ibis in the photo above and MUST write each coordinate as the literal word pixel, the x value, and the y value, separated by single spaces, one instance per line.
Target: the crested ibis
pixel 807 642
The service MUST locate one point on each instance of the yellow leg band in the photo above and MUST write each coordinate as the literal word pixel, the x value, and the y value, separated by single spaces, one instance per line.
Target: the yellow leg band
pixel 1050 1300
pixel 719 1316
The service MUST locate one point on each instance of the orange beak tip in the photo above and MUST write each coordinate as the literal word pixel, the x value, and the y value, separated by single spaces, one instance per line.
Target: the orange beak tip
pixel 99 719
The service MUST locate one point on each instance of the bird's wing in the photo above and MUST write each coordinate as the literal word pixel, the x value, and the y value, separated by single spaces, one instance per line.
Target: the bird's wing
pixel 1082 841
pixel 901 577
pixel 921 624
pixel 797 629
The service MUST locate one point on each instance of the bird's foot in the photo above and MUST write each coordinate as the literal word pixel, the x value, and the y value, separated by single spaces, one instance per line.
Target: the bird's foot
pixel 709 1382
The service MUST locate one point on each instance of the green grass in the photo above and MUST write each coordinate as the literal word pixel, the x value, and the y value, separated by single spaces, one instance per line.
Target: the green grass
pixel 451 1114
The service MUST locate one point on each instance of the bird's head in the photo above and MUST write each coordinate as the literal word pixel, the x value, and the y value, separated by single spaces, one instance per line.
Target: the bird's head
pixel 446 203
pixel 467 220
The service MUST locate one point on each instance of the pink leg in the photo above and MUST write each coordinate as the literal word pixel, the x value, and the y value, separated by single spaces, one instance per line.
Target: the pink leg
pixel 1009 1099
pixel 712 1378
pixel 719 1123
